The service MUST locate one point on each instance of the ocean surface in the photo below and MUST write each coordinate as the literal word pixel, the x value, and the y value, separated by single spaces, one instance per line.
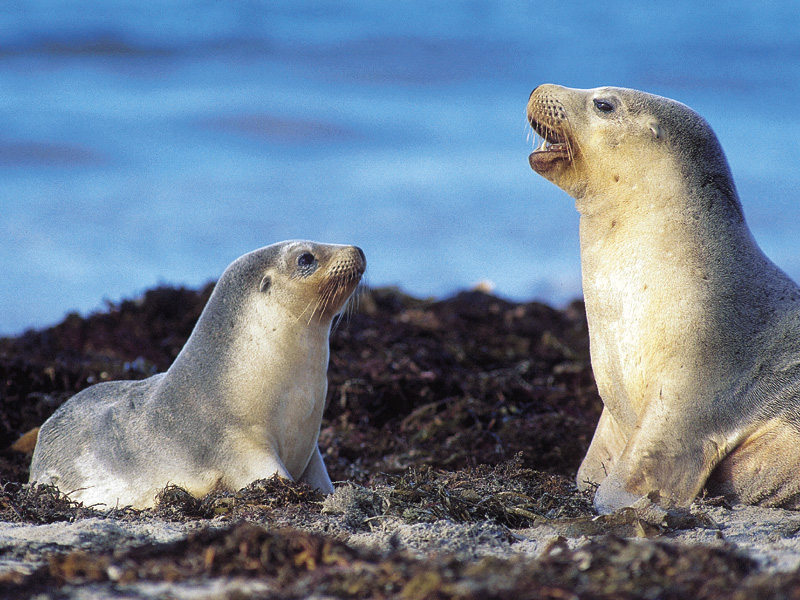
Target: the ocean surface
pixel 153 143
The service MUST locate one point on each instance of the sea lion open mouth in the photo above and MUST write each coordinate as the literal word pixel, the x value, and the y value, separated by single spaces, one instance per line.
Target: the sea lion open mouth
pixel 554 146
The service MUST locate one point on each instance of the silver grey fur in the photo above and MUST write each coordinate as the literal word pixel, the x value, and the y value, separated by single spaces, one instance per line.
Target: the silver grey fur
pixel 243 399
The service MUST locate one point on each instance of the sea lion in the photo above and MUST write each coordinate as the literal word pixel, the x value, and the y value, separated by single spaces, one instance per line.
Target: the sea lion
pixel 694 332
pixel 242 401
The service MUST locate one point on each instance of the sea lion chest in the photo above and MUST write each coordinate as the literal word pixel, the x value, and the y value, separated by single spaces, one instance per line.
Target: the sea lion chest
pixel 637 286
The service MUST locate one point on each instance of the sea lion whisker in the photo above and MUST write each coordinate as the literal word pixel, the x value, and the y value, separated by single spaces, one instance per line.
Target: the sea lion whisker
pixel 317 310
pixel 300 315
pixel 326 295
pixel 342 314
pixel 569 140
pixel 328 300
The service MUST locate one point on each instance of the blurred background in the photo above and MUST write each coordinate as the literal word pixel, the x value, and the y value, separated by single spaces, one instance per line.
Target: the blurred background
pixel 147 143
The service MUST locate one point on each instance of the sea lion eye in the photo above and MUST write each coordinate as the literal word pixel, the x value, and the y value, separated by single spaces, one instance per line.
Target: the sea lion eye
pixel 603 106
pixel 306 259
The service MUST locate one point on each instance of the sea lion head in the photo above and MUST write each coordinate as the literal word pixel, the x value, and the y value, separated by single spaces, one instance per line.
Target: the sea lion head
pixel 313 281
pixel 596 141
pixel 308 282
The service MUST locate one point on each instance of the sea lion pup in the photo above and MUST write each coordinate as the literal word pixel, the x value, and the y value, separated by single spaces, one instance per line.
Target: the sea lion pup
pixel 242 401
pixel 694 333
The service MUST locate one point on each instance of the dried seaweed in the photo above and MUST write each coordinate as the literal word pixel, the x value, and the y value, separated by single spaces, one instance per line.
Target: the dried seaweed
pixel 254 500
pixel 507 494
pixel 295 564
pixel 39 503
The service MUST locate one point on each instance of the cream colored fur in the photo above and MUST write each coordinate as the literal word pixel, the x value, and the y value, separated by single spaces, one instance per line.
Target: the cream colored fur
pixel 694 333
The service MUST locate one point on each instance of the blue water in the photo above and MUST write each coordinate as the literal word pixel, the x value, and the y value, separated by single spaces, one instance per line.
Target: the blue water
pixel 146 143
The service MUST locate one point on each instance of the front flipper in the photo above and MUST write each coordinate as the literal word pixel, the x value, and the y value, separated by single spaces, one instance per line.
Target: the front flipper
pixel 252 466
pixel 316 475
pixel 667 453
pixel 607 445
pixel 763 469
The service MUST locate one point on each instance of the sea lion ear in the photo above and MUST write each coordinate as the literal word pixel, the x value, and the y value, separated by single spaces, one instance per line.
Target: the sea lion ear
pixel 656 130
pixel 266 282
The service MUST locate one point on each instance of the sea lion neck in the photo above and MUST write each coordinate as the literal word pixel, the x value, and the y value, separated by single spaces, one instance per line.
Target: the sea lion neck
pixel 216 355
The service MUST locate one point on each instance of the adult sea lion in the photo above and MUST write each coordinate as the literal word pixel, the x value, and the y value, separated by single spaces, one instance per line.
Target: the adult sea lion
pixel 242 401
pixel 694 333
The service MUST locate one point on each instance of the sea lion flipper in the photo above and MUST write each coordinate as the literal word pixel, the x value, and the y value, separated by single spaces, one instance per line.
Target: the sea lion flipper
pixel 606 447
pixel 316 475
pixel 665 454
pixel 742 474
